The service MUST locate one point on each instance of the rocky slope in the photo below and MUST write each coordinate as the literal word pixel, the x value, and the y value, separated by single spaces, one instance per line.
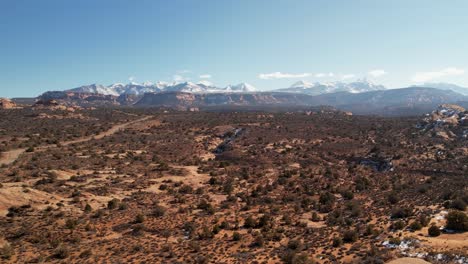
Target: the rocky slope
pixel 183 100
pixel 448 121
pixel 407 101
pixel 7 104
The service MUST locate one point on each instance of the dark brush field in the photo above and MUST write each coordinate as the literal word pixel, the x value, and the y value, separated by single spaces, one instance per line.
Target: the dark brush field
pixel 147 186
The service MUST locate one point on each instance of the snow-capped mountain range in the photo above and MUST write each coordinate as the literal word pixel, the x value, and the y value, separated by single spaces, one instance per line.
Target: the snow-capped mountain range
pixel 148 87
pixel 317 88
pixel 300 87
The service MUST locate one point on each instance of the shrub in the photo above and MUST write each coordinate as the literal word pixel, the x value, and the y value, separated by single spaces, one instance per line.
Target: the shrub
pixel 398 225
pixel 236 236
pixel 291 257
pixel 347 194
pixel 249 222
pixel 294 244
pixel 139 218
pixel 61 252
pixel 112 204
pixel 86 254
pixel 315 217
pixel 415 226
pixel 394 241
pixel 433 231
pixel 88 208
pixel 458 204
pixel 457 221
pixel 393 198
pixel 401 212
pixel 424 220
pixel 30 149
pixel 259 241
pixel 159 210
pixel 6 252
pixel 337 242
pixel 71 223
pixel 123 206
pixel 350 236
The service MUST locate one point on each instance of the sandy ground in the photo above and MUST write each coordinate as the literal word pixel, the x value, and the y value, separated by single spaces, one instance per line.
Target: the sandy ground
pixel 408 261
pixel 193 178
pixel 17 195
pixel 9 157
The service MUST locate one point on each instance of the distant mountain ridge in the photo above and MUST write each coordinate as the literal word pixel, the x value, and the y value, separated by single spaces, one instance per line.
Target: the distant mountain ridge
pixel 133 88
pixel 447 86
pixel 360 97
pixel 317 88
pixel 404 101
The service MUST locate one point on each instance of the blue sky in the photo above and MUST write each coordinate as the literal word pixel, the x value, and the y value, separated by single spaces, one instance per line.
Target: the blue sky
pixel 58 44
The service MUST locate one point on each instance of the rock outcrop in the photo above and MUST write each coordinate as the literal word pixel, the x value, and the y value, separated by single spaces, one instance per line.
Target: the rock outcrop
pixel 447 121
pixel 7 104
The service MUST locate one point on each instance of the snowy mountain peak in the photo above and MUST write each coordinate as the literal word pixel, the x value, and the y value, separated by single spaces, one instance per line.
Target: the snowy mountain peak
pixel 302 84
pixel 317 88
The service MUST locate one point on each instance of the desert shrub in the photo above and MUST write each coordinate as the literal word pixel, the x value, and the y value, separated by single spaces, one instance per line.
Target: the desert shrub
pixel 292 257
pixel 424 219
pixel 350 236
pixel 61 252
pixel 138 229
pixel 250 222
pixel 393 198
pixel 88 208
pixel 457 204
pixel 347 194
pixel 123 206
pixel 398 225
pixel 159 211
pixel 394 241
pixel 71 223
pixel 457 221
pixel 362 183
pixel 86 254
pixel 259 241
pixel 315 217
pixel 139 218
pixel 400 212
pixel 206 206
pixel 433 231
pixel 415 226
pixel 294 244
pixel 264 221
pixel 206 233
pixel 112 204
pixel 236 236
pixel 327 201
pixel 185 189
pixel 337 241
pixel 6 252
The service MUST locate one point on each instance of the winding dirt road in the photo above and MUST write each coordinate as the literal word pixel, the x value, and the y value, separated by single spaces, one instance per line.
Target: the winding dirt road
pixel 8 157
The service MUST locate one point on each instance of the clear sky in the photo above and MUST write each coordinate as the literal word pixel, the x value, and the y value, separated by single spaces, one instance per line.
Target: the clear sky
pixel 61 44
